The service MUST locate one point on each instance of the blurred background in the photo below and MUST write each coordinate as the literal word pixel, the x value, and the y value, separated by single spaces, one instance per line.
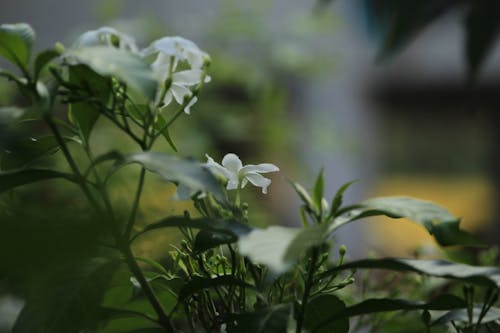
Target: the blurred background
pixel 309 85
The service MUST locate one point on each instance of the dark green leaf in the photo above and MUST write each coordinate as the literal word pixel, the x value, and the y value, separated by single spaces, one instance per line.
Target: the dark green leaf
pixel 125 322
pixel 320 309
pixel 471 274
pixel 279 247
pixel 26 151
pixel 271 320
pixel 437 220
pixel 84 114
pixel 160 126
pixel 9 114
pixel 199 283
pixel 13 179
pixel 461 315
pixel 208 239
pixel 67 302
pixel 482 27
pixel 442 302
pixel 125 66
pixel 191 174
pixel 231 226
pixel 16 41
pixel 43 59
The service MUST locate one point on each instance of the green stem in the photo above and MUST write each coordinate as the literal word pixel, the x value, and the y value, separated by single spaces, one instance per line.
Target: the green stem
pixel 307 290
pixel 163 318
pixel 133 213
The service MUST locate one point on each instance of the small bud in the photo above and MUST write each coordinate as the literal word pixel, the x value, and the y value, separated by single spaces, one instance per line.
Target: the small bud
pixel 342 250
pixel 59 47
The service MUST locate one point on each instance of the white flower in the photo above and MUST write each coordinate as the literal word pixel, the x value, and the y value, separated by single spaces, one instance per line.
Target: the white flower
pixel 169 52
pixel 107 36
pixel 238 175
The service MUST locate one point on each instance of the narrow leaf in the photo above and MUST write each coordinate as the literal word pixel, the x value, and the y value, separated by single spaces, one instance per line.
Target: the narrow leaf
pixel 442 302
pixel 481 275
pixel 461 315
pixel 318 191
pixel 13 179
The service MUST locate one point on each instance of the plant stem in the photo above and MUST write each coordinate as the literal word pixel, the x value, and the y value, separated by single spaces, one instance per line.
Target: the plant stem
pixel 133 213
pixel 163 318
pixel 307 289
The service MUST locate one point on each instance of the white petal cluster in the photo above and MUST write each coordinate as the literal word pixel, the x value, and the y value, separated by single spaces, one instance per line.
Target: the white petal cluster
pixel 168 53
pixel 237 175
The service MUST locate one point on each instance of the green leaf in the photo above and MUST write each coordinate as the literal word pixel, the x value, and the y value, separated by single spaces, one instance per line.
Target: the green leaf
pixel 482 26
pixel 339 197
pixel 320 308
pixel 67 301
pixel 83 114
pixel 279 247
pixel 208 239
pixel 438 221
pixel 129 323
pixel 190 174
pixel 160 126
pixel 303 194
pixel 230 226
pixel 318 191
pixel 15 178
pixel 442 302
pixel 16 41
pixel 270 320
pixel 123 65
pixel 200 283
pixel 481 275
pixel 43 59
pixel 28 150
pixel 461 315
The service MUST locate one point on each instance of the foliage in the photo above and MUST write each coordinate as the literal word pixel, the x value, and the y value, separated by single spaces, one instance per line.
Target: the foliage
pixel 225 275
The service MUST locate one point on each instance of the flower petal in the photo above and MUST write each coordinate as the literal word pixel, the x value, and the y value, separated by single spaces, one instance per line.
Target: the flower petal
pixel 179 92
pixel 217 168
pixel 192 102
pixel 232 162
pixel 260 168
pixel 258 180
pixel 188 77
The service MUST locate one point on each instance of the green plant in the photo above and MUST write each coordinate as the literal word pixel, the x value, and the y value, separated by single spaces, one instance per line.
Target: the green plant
pixel 224 275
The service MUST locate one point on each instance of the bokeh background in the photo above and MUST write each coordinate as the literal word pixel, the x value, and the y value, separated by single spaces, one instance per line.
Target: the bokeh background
pixel 300 85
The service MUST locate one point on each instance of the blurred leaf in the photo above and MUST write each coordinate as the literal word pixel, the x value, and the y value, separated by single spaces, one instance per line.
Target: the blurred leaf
pixel 128 323
pixel 438 221
pixel 83 114
pixel 482 26
pixel 442 302
pixel 125 66
pixel 320 309
pixel 8 114
pixel 208 239
pixel 15 178
pixel 400 21
pixel 270 320
pixel 303 194
pixel 279 247
pixel 43 59
pixel 461 315
pixel 482 275
pixel 67 301
pixel 16 41
pixel 160 126
pixel 231 226
pixel 191 174
pixel 200 283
